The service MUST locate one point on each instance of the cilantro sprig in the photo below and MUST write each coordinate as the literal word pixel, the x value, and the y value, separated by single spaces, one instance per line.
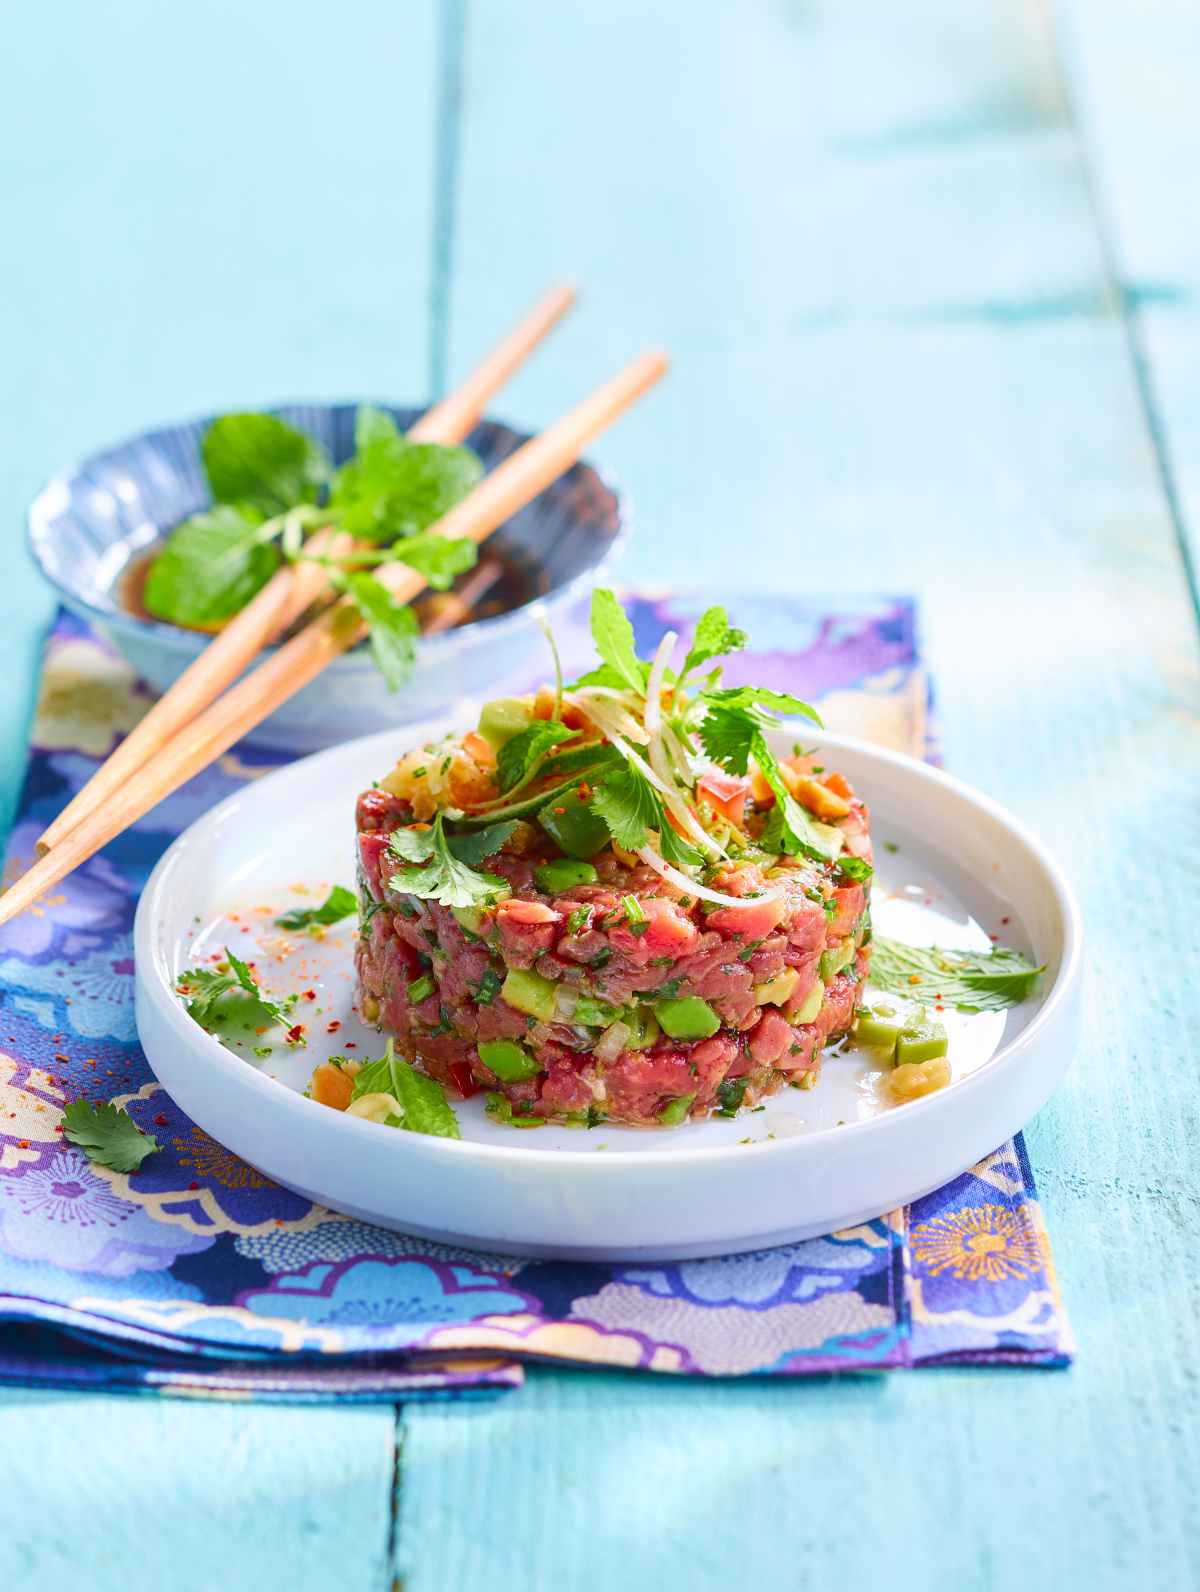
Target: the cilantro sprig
pixel 435 873
pixel 206 991
pixel 971 981
pixel 338 904
pixel 271 485
pixel 108 1135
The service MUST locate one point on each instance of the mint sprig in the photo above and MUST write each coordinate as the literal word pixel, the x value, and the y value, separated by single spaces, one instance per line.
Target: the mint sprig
pixel 422 1100
pixel 971 981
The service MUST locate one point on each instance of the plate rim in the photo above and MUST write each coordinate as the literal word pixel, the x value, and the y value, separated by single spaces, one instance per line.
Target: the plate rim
pixel 151 986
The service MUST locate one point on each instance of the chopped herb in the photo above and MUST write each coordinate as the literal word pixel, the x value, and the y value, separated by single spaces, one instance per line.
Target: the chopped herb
pixel 890 845
pixel 420 989
pixel 108 1135
pixel 578 919
pixel 338 904
pixel 635 915
pixel 488 987
pixel 854 868
pixel 366 915
pixel 971 981
pixel 730 1094
pixel 264 1050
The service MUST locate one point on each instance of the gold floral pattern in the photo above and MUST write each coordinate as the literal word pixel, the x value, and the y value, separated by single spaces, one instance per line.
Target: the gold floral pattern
pixel 214 1161
pixel 982 1243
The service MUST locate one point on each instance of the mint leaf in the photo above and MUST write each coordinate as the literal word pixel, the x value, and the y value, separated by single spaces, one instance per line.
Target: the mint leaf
pixel 108 1135
pixel 396 488
pixel 422 1100
pixel 440 559
pixel 714 637
pixel 210 567
pixel 392 627
pixel 338 904
pixel 261 460
pixel 438 874
pixel 613 635
pixel 732 735
pixel 855 868
pixel 518 757
pixel 972 981
pixel 474 847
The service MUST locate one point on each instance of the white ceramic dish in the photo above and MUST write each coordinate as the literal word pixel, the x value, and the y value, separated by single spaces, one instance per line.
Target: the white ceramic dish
pixel 809 1163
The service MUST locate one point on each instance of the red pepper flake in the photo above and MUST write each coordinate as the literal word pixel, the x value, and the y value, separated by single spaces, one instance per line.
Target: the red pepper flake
pixel 584 791
pixel 333 1025
pixel 193 1186
pixel 1005 921
pixel 295 1034
pixel 58 1127
pixel 160 1120
pixel 58 1056
pixel 993 937
pixel 309 995
pixel 22 1144
pixel 90 1062
pixel 352 1044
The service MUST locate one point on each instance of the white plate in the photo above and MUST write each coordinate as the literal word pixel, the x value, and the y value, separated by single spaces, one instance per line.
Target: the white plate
pixel 809 1163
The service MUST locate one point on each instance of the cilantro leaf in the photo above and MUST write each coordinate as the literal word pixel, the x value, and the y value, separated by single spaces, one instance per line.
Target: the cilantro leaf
pixel 714 637
pixel 392 626
pixel 438 875
pixel 338 904
pixel 259 459
pixel 396 488
pixel 108 1135
pixel 732 735
pixel 518 757
pixel 440 559
pixel 630 806
pixel 753 696
pixel 422 1100
pixel 205 989
pixel 855 868
pixel 211 566
pixel 972 981
pixel 472 848
pixel 627 802
pixel 613 635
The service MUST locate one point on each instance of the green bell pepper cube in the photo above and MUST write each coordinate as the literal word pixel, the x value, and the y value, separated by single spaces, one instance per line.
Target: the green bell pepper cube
pixel 530 993
pixel 687 1018
pixel 511 1062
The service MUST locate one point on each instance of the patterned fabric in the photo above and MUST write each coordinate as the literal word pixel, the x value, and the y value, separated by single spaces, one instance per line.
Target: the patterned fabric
pixel 197 1275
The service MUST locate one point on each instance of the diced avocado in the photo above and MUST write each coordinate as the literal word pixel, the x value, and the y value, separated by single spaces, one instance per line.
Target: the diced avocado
pixel 530 993
pixel 687 1018
pixel 511 1062
pixel 470 920
pixel 573 826
pixel 835 959
pixel 675 1110
pixel 563 874
pixel 778 990
pixel 878 1029
pixel 925 1043
pixel 502 719
pixel 643 1027
pixel 593 1013
pixel 809 1012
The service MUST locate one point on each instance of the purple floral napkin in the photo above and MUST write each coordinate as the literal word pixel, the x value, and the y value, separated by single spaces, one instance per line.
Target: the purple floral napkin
pixel 198 1275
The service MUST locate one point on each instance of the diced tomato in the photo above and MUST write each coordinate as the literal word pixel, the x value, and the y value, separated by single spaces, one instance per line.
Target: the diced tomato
pixel 725 793
pixel 460 1073
pixel 754 921
pixel 479 750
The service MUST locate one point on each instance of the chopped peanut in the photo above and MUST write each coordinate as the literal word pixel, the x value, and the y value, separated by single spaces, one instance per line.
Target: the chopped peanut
pixel 375 1107
pixel 915 1078
pixel 331 1086
pixel 483 752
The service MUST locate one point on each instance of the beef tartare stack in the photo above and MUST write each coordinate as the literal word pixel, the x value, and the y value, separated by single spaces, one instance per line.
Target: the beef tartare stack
pixel 615 901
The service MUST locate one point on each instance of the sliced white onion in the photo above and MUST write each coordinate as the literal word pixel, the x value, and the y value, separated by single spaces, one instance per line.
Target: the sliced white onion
pixel 689 886
pixel 672 798
pixel 565 1002
pixel 654 684
pixel 609 717
pixel 612 1042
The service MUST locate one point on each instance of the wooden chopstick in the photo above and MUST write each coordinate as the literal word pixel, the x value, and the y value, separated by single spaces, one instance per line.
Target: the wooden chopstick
pixel 295 587
pixel 509 487
pixel 456 605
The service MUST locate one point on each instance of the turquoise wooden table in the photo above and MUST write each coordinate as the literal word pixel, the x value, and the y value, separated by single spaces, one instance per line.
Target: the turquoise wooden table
pixel 930 275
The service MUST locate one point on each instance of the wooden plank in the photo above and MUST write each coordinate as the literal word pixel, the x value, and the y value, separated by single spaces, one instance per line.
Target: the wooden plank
pixel 105 1492
pixel 868 238
pixel 1132 75
pixel 210 207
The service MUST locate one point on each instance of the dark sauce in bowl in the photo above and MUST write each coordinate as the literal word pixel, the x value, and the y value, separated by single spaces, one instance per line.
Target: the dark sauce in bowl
pixel 519 582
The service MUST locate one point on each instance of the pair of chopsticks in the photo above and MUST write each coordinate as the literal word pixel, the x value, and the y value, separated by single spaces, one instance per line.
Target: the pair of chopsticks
pixel 193 723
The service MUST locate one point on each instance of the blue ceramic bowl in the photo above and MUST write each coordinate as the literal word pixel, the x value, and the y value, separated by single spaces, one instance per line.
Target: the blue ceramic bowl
pixel 87 526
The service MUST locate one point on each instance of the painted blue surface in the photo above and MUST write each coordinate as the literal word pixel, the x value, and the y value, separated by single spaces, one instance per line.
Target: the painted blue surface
pixel 928 274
